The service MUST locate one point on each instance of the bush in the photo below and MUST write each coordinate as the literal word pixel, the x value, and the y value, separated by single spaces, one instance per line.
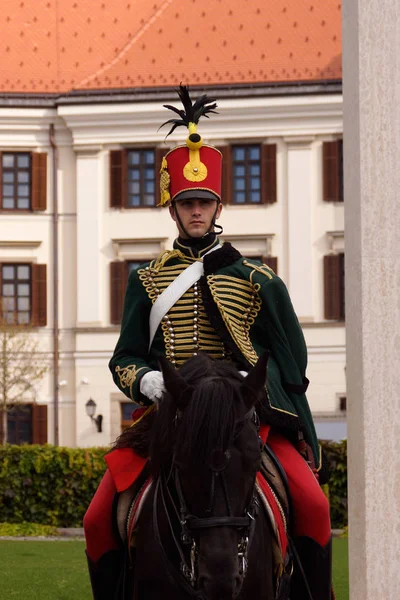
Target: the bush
pixel 26 530
pixel 47 484
pixel 336 453
pixel 54 486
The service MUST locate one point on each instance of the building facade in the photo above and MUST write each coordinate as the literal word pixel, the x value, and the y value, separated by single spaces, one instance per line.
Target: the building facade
pixel 79 182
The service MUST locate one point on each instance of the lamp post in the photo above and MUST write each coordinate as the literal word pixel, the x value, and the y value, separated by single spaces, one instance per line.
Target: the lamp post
pixel 91 411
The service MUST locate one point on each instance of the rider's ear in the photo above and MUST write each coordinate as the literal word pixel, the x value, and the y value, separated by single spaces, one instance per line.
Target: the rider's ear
pixel 254 383
pixel 174 383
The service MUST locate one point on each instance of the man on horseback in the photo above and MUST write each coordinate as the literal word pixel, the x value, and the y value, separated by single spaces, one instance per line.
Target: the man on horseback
pixel 204 297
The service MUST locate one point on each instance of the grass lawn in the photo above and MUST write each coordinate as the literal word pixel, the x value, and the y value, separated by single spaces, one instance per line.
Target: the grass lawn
pixel 57 570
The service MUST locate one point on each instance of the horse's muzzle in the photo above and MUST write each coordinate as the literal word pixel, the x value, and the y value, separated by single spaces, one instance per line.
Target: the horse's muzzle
pixel 221 588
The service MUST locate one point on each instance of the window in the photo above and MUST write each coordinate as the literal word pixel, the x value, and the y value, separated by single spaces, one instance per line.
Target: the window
pixel 126 413
pixel 246 174
pixel 249 174
pixel 141 178
pixel 134 176
pixel 23 294
pixel 23 181
pixel 26 424
pixel 16 294
pixel 16 168
pixel 332 164
pixel 19 423
pixel 334 287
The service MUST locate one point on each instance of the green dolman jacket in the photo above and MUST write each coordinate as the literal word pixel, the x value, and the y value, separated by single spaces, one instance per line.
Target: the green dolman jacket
pixel 238 309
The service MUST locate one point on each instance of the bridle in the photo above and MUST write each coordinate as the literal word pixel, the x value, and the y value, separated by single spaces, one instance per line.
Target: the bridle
pixel 189 523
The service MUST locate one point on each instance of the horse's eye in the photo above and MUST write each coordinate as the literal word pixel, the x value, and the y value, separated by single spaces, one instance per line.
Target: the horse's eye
pixel 220 460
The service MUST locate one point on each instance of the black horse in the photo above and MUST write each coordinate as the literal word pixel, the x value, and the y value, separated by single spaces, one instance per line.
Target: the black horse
pixel 201 531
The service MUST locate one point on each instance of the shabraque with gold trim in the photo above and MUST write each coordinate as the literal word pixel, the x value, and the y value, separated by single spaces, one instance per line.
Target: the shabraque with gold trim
pixel 186 327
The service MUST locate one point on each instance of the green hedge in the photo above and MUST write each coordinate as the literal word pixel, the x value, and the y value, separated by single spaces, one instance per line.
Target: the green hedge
pixel 54 486
pixel 47 484
pixel 336 454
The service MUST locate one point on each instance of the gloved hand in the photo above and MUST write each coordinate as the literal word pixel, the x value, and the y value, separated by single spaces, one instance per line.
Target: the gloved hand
pixel 152 385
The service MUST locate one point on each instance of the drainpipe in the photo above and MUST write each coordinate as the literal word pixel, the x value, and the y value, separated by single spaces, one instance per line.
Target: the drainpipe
pixel 55 286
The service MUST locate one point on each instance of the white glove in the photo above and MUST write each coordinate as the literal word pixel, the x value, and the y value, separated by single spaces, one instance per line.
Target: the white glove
pixel 243 373
pixel 152 385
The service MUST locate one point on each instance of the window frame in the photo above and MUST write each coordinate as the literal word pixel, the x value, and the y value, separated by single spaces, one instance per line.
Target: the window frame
pixel 142 180
pixel 247 163
pixel 15 170
pixel 16 282
pixel 29 419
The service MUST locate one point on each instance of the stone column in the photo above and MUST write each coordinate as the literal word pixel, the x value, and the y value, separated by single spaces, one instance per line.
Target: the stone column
pixel 372 229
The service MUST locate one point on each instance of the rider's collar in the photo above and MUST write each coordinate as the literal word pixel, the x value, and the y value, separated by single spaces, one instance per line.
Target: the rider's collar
pixel 196 247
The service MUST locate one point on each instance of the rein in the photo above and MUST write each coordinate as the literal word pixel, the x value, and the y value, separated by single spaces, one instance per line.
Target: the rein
pixel 186 577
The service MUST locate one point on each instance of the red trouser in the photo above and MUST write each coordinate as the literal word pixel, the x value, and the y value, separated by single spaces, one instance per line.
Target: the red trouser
pixel 310 505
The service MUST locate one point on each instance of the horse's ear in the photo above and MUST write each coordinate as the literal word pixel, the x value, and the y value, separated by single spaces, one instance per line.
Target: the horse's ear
pixel 254 383
pixel 174 383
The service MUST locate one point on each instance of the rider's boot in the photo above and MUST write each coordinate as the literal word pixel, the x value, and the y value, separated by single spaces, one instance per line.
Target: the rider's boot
pixel 106 576
pixel 316 564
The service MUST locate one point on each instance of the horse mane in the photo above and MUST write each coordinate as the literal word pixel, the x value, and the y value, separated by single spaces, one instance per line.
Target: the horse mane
pixel 207 422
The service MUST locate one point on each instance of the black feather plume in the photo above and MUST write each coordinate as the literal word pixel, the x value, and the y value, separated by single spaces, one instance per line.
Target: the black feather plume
pixel 191 112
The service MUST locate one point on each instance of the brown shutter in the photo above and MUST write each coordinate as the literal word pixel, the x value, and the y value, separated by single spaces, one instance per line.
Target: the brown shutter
pixel 39 181
pixel 118 281
pixel 1 180
pixel 160 153
pixel 226 187
pixel 271 262
pixel 39 295
pixel 268 174
pixel 330 171
pixel 39 424
pixel 118 178
pixel 332 294
pixel 1 427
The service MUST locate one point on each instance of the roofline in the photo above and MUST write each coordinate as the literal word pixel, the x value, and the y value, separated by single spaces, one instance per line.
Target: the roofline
pixel 125 95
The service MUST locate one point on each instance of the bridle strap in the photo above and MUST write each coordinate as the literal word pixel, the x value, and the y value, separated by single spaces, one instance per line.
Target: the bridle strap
pixel 179 580
pixel 235 522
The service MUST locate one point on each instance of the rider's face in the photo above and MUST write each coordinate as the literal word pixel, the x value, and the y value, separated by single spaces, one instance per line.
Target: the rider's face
pixel 195 214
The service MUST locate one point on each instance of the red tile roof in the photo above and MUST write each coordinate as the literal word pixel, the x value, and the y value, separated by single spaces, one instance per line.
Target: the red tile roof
pixel 64 45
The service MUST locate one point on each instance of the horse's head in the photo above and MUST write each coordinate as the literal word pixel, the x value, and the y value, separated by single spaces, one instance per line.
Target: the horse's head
pixel 208 437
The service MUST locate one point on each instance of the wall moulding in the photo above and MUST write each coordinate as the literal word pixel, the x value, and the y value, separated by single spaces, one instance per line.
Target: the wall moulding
pixel 138 248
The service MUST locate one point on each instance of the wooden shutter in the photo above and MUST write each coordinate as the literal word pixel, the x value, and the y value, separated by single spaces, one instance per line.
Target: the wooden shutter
pixel 268 174
pixel 118 178
pixel 226 187
pixel 118 281
pixel 39 424
pixel 332 295
pixel 271 262
pixel 160 153
pixel 1 180
pixel 39 295
pixel 39 181
pixel 1 427
pixel 331 157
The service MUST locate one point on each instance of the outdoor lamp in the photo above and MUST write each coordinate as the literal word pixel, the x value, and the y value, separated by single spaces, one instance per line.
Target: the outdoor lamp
pixel 91 411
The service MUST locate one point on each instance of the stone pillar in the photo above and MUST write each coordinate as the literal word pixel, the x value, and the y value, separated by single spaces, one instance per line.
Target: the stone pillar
pixel 89 211
pixel 300 195
pixel 372 229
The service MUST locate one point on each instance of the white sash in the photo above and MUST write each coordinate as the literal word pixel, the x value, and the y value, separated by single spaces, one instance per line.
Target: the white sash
pixel 174 291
